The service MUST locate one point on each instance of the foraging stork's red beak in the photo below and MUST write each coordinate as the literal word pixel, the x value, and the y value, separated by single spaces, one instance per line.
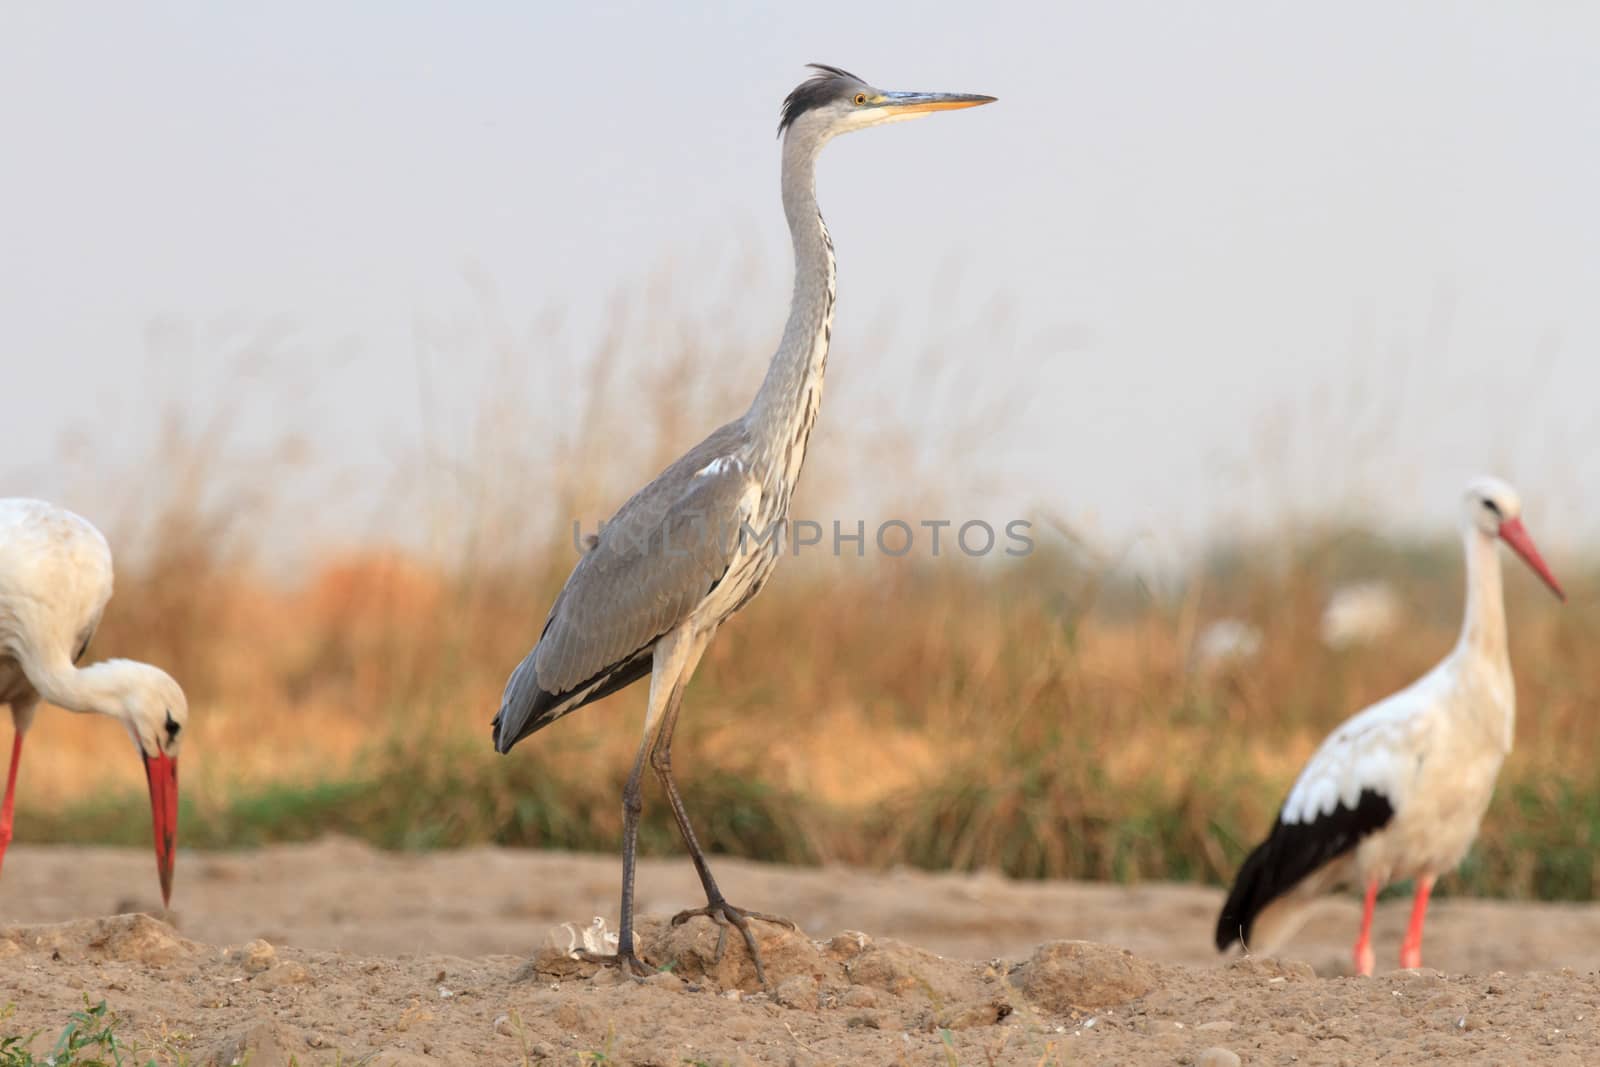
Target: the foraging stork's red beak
pixel 1513 534
pixel 161 770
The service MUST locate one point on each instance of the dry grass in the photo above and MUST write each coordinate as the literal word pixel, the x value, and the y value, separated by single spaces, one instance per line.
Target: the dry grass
pixel 1038 716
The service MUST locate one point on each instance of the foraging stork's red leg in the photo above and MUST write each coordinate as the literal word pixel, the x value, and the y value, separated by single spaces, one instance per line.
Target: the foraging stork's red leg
pixel 11 796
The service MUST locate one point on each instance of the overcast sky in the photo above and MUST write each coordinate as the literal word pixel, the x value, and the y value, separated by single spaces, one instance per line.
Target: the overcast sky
pixel 1235 250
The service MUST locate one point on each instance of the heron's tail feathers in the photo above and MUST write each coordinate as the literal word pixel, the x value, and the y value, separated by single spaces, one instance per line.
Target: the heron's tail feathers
pixel 524 706
pixel 527 707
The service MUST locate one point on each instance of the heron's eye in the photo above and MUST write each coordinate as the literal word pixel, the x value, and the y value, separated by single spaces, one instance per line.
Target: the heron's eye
pixel 861 98
pixel 1492 506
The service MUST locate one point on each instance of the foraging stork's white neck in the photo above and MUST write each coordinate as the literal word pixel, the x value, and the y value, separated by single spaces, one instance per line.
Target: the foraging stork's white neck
pixel 143 698
pixel 1398 791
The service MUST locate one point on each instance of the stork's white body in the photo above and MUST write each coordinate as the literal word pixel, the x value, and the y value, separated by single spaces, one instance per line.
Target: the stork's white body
pixel 1399 790
pixel 1434 749
pixel 55 581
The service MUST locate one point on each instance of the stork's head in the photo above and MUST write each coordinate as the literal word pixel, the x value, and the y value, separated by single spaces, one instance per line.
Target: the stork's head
pixel 1494 509
pixel 153 708
pixel 834 101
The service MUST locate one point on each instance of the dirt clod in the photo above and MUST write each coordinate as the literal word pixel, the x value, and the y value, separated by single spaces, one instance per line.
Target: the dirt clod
pixel 690 950
pixel 1067 975
pixel 579 1016
pixel 858 996
pixel 134 938
pixel 255 957
pixel 262 1045
pixel 554 963
pixel 396 1057
pixel 1270 967
pixel 797 991
pixel 898 969
pixel 280 975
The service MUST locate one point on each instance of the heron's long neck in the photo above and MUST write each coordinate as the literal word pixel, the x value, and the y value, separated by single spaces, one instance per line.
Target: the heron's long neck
pixel 1483 630
pixel 784 410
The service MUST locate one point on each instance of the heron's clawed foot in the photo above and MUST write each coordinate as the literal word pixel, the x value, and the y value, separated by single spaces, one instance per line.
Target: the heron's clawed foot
pixel 724 915
pixel 628 963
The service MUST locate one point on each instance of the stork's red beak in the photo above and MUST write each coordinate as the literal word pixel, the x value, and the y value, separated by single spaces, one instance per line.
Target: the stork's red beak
pixel 1512 533
pixel 162 773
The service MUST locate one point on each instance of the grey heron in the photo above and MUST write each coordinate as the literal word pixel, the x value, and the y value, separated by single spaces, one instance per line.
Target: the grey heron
pixel 675 560
pixel 1399 790
pixel 55 581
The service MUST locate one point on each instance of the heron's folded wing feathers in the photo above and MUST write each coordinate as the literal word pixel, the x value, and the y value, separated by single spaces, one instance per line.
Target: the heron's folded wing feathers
pixel 651 567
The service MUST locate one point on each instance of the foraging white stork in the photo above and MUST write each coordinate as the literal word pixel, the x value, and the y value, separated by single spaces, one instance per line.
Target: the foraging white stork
pixel 1397 792
pixel 55 580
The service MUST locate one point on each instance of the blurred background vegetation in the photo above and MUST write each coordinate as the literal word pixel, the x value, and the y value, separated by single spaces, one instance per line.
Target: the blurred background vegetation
pixel 1050 716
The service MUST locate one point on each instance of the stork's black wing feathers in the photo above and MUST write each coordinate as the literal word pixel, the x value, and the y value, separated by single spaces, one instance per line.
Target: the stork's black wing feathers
pixel 1292 852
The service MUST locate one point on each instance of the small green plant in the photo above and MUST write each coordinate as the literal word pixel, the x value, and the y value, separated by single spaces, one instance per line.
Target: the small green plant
pixel 603 1054
pixel 89 1040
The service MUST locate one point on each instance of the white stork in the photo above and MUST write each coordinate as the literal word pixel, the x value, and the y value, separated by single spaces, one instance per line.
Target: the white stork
pixel 1397 792
pixel 55 580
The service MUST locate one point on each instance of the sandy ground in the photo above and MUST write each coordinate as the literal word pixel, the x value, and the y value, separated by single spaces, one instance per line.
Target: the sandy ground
pixel 334 952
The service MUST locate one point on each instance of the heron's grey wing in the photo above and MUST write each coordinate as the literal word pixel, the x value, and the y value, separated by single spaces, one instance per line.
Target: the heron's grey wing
pixel 655 562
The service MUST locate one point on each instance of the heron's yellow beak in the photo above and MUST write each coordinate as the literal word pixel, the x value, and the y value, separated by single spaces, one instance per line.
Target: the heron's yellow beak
pixel 916 103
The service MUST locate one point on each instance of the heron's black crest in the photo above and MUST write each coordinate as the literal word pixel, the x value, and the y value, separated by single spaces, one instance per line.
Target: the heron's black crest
pixel 1294 851
pixel 825 86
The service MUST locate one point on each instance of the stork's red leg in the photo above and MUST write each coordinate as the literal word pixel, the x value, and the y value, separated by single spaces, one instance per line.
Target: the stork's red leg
pixel 11 795
pixel 1363 953
pixel 1411 947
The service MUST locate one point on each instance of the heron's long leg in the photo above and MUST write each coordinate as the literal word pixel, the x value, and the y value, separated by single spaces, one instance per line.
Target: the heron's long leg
pixel 1411 947
pixel 717 907
pixel 661 763
pixel 632 805
pixel 11 794
pixel 1363 951
pixel 660 746
pixel 669 656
